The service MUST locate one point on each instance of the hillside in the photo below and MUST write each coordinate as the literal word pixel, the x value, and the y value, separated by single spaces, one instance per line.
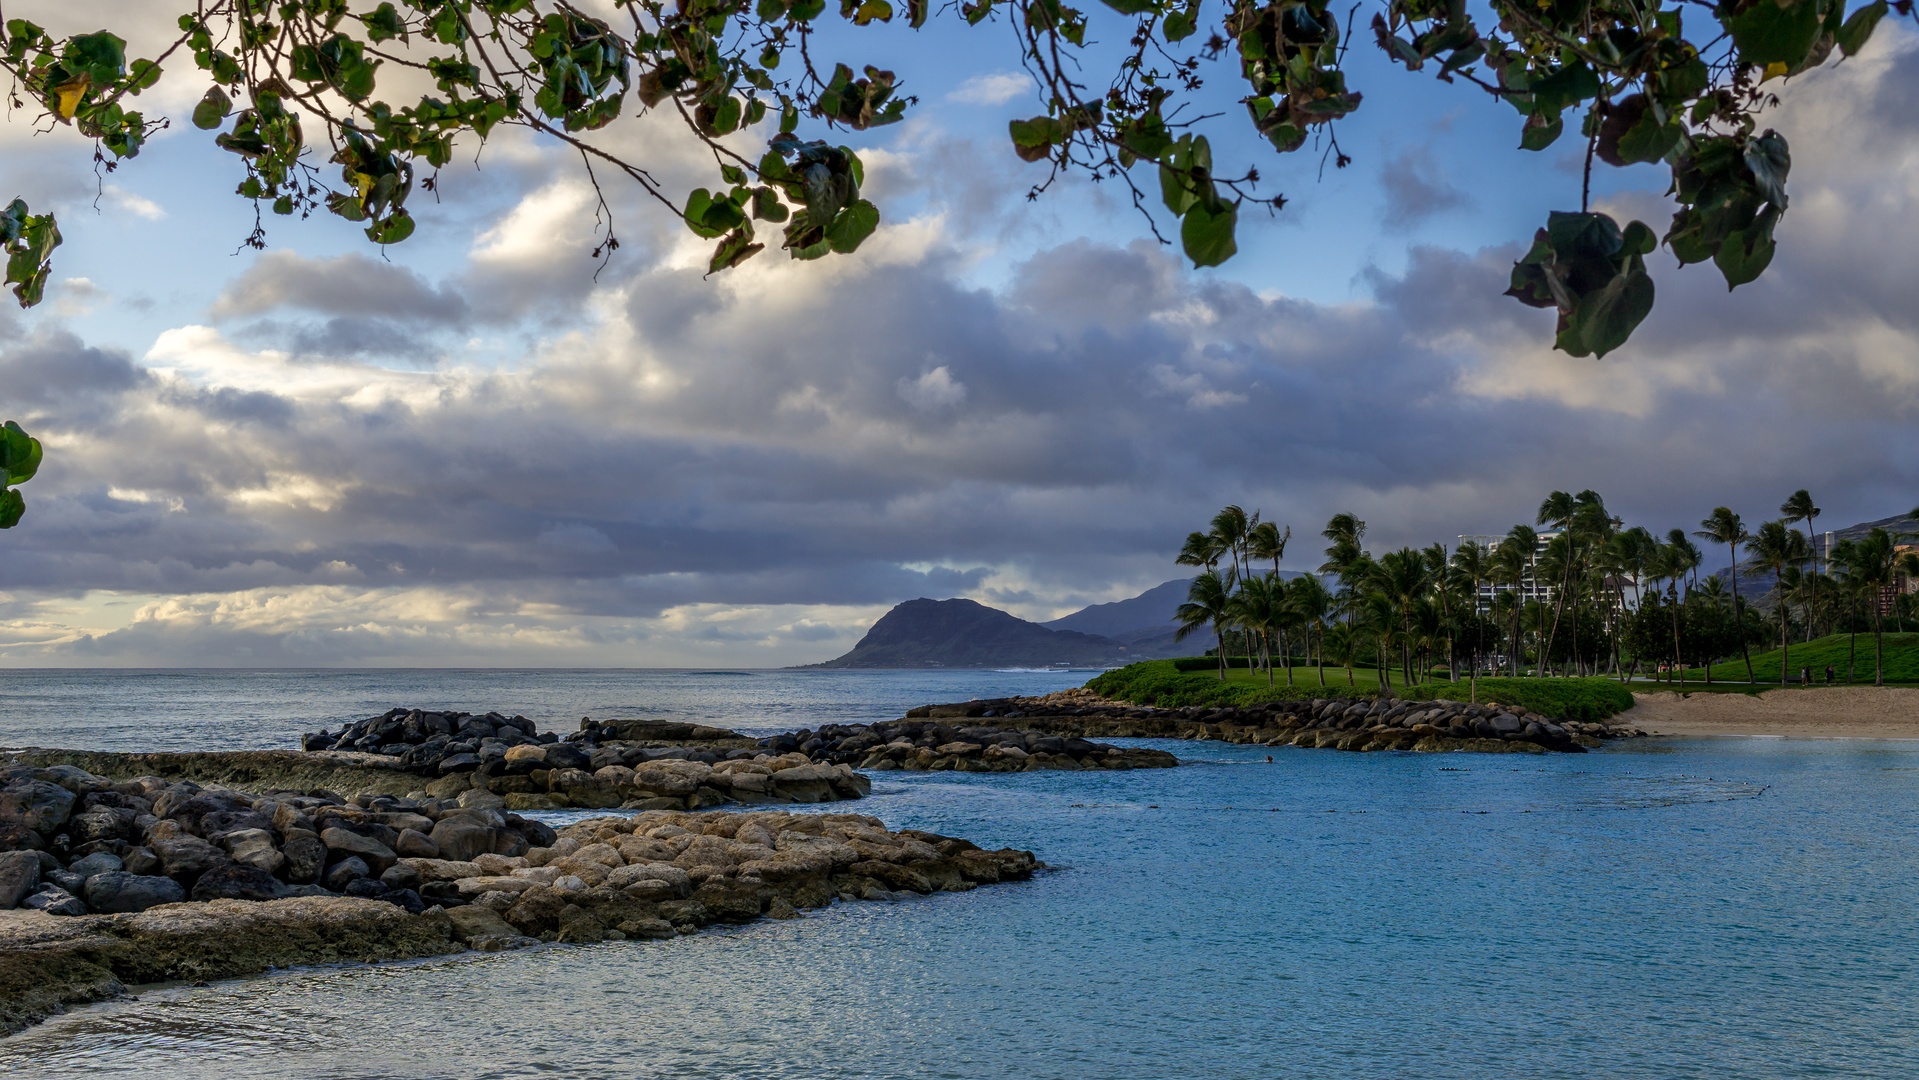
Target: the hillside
pixel 1146 615
pixel 963 633
pixel 1902 661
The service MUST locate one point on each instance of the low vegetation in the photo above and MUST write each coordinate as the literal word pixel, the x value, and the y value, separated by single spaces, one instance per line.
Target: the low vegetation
pixel 1195 681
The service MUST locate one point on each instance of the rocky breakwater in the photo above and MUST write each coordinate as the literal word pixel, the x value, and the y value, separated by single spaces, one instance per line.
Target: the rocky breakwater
pixel 651 875
pixel 1335 723
pixel 72 843
pixel 935 746
pixel 508 759
pixel 661 873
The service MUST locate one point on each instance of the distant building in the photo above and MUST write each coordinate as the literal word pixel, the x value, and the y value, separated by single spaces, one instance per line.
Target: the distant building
pixel 1529 588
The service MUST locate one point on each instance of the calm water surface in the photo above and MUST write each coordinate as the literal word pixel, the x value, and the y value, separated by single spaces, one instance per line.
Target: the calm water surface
pixel 1734 908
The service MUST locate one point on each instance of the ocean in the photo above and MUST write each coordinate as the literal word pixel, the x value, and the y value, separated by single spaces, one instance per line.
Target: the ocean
pixel 1660 908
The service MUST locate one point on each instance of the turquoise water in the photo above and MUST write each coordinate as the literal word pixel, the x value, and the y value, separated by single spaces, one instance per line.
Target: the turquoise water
pixel 1732 908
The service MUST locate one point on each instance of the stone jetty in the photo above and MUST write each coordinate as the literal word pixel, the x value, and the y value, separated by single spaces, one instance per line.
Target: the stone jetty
pixel 1335 723
pixel 892 744
pixel 105 883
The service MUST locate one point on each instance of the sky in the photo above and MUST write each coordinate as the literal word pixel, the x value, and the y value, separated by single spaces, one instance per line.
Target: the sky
pixel 472 449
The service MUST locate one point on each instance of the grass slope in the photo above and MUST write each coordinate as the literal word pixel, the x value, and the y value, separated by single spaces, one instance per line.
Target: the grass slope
pixel 1161 683
pixel 1902 661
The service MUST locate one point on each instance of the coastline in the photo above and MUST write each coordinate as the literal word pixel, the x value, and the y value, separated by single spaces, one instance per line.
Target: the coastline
pixel 1840 712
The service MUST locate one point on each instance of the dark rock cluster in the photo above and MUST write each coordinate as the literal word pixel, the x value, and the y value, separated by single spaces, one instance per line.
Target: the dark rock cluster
pixel 73 843
pixel 432 743
pixel 1342 723
pixel 931 745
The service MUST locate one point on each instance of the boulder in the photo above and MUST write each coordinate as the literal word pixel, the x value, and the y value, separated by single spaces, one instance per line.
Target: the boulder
pixel 17 837
pixel 462 838
pixel 185 858
pixel 345 872
pixel 305 857
pixel 254 847
pixel 238 881
pixel 119 892
pixel 19 876
pixel 414 844
pixel 141 860
pixel 100 862
pixel 37 804
pixel 54 900
pixel 342 844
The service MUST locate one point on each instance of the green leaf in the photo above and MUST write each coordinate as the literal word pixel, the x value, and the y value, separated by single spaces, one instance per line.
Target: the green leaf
pixel 1178 26
pixel 384 24
pixel 1132 7
pixel 1852 36
pixel 21 453
pixel 1604 319
pixel 767 205
pixel 212 110
pixel 1769 159
pixel 12 507
pixel 1207 233
pixel 1539 133
pixel 1767 33
pixel 852 227
pixel 391 230
pixel 1743 256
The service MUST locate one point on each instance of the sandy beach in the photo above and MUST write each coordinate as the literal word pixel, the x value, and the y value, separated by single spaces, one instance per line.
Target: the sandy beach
pixel 1841 712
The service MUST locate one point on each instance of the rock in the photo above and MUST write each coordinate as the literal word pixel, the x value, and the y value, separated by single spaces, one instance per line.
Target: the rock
pixel 567 756
pixel 119 892
pixel 480 799
pixel 482 928
pixel 345 872
pixel 254 847
pixel 55 901
pixel 106 823
pixel 401 876
pixel 17 837
pixel 19 876
pixel 305 857
pixel 458 763
pixel 414 844
pixel 37 804
pixel 238 881
pixel 460 838
pixel 99 862
pixel 342 844
pixel 185 858
pixel 781 908
pixel 141 861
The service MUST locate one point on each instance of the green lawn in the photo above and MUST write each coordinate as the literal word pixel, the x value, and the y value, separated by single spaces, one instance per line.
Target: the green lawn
pixel 1902 661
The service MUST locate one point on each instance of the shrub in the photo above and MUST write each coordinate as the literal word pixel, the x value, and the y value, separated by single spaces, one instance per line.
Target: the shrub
pixel 1585 700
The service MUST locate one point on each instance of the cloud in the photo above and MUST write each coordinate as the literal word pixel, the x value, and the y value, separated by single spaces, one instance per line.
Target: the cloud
pixel 137 205
pixel 1416 188
pixel 352 286
pixel 992 88
pixel 756 464
pixel 933 390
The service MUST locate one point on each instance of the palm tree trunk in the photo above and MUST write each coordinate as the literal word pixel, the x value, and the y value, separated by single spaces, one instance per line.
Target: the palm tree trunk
pixel 1739 616
pixel 1878 642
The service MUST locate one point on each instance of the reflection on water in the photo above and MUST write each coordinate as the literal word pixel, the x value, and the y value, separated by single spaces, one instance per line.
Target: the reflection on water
pixel 1708 910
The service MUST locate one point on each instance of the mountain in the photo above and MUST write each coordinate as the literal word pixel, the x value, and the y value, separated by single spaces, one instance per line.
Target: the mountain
pixel 1151 610
pixel 1755 584
pixel 963 633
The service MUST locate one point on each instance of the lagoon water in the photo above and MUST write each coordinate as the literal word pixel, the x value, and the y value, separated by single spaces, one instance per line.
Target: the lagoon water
pixel 1665 908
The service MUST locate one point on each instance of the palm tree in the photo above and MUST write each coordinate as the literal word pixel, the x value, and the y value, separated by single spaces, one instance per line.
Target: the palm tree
pixel 1799 507
pixel 1265 541
pixel 1513 559
pixel 1401 577
pixel 1724 527
pixel 1873 564
pixel 1230 528
pixel 1853 588
pixel 1313 605
pixel 1474 563
pixel 1255 610
pixel 1200 549
pixel 1208 600
pixel 1557 511
pixel 1347 560
pixel 1775 549
pixel 1677 558
pixel 1444 593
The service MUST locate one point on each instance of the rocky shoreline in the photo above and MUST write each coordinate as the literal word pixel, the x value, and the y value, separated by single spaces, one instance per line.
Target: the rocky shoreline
pixel 106 883
pixel 1327 723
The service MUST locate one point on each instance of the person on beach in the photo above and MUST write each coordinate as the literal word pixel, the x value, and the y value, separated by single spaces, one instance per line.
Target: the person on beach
pixel 1829 674
pixel 1805 676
